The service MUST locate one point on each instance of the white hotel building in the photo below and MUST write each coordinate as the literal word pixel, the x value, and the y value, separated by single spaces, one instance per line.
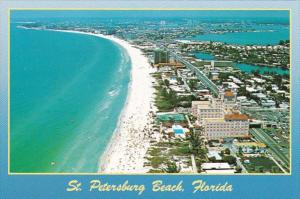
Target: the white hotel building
pixel 221 117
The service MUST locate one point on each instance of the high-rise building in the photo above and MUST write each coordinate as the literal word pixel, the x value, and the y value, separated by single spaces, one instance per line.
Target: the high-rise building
pixel 161 56
pixel 232 125
pixel 221 117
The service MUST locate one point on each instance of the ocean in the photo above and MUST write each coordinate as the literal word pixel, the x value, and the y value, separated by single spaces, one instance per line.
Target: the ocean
pixel 67 92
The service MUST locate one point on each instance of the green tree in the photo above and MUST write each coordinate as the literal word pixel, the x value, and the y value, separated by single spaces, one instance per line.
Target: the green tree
pixel 223 76
pixel 164 92
pixel 196 142
pixel 230 159
pixel 193 84
pixel 179 80
pixel 172 98
pixel 227 151
pixel 240 150
pixel 167 82
pixel 238 169
pixel 255 72
pixel 242 91
pixel 281 42
pixel 171 168
pixel 278 80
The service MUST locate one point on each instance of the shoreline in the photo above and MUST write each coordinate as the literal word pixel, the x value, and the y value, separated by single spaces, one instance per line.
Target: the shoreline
pixel 130 140
pixel 129 143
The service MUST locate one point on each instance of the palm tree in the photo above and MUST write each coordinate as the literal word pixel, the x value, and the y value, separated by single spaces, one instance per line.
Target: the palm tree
pixel 196 141
pixel 193 84
pixel 167 82
pixel 172 98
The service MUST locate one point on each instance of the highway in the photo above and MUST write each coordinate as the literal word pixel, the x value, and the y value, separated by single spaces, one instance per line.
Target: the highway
pixel 264 109
pixel 273 146
pixel 201 76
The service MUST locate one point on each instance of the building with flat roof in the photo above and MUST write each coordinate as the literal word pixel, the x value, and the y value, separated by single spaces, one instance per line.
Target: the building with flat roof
pixel 161 56
pixel 220 168
pixel 230 126
pixel 214 154
pixel 215 165
pixel 250 147
pixel 221 117
pixel 195 106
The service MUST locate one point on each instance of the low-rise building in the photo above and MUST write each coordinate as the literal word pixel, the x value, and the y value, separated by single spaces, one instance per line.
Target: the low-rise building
pixel 250 147
pixel 268 103
pixel 218 168
pixel 214 154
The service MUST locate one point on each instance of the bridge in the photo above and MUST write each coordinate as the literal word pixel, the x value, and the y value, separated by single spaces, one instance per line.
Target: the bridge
pixel 200 75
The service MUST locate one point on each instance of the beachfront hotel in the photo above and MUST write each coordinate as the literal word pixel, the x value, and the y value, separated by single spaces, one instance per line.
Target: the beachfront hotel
pixel 220 117
pixel 161 56
pixel 232 125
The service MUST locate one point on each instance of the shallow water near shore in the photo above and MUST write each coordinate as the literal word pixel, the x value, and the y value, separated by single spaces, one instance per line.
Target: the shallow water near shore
pixel 65 103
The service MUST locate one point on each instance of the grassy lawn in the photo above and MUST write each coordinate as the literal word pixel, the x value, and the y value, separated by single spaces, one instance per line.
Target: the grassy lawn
pixel 162 152
pixel 157 161
pixel 162 102
pixel 261 165
pixel 155 171
pixel 180 151
pixel 154 152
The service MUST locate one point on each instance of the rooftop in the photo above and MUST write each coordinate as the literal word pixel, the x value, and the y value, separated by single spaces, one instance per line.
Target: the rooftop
pixel 220 171
pixel 257 144
pixel 228 94
pixel 202 104
pixel 215 166
pixel 214 120
pixel 236 116
pixel 214 154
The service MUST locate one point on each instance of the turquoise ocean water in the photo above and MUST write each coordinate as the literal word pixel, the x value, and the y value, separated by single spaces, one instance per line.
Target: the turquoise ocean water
pixel 67 92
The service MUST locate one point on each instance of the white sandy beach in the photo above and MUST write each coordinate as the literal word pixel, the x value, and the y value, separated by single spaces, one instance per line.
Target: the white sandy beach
pixel 127 148
pixel 130 142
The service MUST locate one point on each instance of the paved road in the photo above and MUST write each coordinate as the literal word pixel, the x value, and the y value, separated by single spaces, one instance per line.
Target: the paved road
pixel 239 163
pixel 282 169
pixel 264 109
pixel 273 146
pixel 184 82
pixel 201 76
